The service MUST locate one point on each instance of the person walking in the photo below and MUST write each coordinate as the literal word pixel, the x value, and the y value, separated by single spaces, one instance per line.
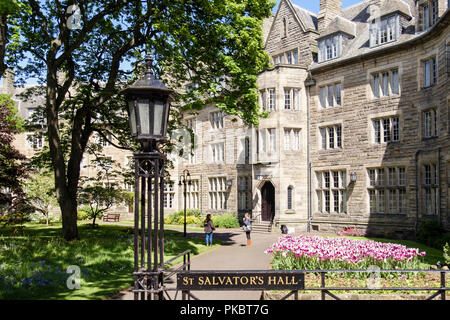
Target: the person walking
pixel 209 228
pixel 247 228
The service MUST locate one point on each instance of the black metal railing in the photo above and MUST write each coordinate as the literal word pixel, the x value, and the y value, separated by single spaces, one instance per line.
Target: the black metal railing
pixel 325 290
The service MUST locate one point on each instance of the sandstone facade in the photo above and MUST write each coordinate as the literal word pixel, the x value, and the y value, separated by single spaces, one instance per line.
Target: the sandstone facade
pixel 358 127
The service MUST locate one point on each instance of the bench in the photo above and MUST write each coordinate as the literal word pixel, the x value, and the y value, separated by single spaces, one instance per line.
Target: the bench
pixel 111 217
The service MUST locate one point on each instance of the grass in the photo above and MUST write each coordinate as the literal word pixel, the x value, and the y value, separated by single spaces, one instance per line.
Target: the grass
pixel 33 264
pixel 166 226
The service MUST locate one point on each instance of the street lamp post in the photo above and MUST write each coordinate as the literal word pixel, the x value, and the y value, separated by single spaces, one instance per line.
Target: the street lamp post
pixel 148 109
pixel 185 178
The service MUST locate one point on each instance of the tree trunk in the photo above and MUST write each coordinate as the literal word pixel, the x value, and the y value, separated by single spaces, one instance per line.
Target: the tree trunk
pixel 3 42
pixel 69 219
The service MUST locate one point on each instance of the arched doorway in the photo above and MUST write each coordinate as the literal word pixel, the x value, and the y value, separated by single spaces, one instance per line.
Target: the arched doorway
pixel 267 202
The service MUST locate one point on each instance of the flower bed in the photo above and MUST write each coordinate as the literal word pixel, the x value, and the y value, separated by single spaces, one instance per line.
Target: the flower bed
pixel 315 252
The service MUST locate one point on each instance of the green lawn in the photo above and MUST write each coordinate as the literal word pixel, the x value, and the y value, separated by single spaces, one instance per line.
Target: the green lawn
pixel 33 265
pixel 166 226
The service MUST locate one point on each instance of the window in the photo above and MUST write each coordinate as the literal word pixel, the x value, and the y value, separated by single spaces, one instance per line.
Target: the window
pixel 331 137
pixel 376 85
pixel 287 99
pixel 430 189
pixel 216 119
pixel 244 193
pixel 384 30
pixel 291 99
pixel 191 124
pixel 386 130
pixel 287 139
pixel 264 99
pixel 217 152
pixel 331 191
pixel 285 31
pixel 296 142
pixel 217 193
pixel 169 196
pixel 387 194
pixel 289 57
pixel 385 83
pixel 428 14
pixel 272 100
pixel 331 95
pixel 429 72
pixel 192 195
pixel 35 141
pixel 394 82
pixel 330 47
pixel 104 142
pixel 289 197
pixel 272 140
pixel 247 150
pixel 430 128
pixel 291 139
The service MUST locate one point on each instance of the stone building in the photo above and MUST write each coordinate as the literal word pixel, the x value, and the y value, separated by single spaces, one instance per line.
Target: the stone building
pixel 379 99
pixel 358 127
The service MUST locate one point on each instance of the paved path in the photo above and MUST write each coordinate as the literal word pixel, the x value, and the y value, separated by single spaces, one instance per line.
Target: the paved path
pixel 232 255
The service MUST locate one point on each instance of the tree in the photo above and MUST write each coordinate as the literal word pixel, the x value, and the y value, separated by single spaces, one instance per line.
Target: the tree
pixel 215 44
pixel 7 8
pixel 15 207
pixel 40 189
pixel 103 191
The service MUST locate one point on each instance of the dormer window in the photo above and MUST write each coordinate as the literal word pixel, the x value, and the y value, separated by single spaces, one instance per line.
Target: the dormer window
pixel 384 30
pixel 330 47
pixel 428 14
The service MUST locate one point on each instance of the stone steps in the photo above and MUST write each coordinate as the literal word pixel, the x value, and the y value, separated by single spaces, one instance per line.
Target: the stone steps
pixel 261 227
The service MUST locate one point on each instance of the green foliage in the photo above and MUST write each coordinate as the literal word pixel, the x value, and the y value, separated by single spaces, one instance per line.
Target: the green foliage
pixel 192 217
pixel 216 44
pixel 189 220
pixel 432 234
pixel 40 188
pixel 83 213
pixel 227 220
pixel 446 250
pixel 15 207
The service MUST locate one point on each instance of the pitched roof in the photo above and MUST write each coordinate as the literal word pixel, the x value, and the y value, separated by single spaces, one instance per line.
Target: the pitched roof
pixel 308 18
pixel 360 15
pixel 339 24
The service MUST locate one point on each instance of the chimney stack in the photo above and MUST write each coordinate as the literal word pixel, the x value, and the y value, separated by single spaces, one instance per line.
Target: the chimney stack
pixel 329 9
pixel 7 86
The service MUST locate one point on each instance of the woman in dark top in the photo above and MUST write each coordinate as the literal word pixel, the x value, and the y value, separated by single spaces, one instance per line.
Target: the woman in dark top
pixel 209 228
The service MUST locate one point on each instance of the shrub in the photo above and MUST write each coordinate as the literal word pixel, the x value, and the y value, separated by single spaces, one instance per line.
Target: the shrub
pixel 227 220
pixel 446 250
pixel 189 220
pixel 178 217
pixel 83 213
pixel 432 234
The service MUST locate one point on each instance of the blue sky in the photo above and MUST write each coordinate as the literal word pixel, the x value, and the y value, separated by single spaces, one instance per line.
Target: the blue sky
pixel 314 5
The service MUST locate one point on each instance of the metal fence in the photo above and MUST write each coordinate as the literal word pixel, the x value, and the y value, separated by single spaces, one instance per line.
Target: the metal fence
pixel 324 289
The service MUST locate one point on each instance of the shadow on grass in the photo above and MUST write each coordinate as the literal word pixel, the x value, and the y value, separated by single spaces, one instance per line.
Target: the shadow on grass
pixel 34 265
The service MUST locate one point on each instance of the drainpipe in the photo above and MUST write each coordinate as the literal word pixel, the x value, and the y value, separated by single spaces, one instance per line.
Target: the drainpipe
pixel 416 158
pixel 308 84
